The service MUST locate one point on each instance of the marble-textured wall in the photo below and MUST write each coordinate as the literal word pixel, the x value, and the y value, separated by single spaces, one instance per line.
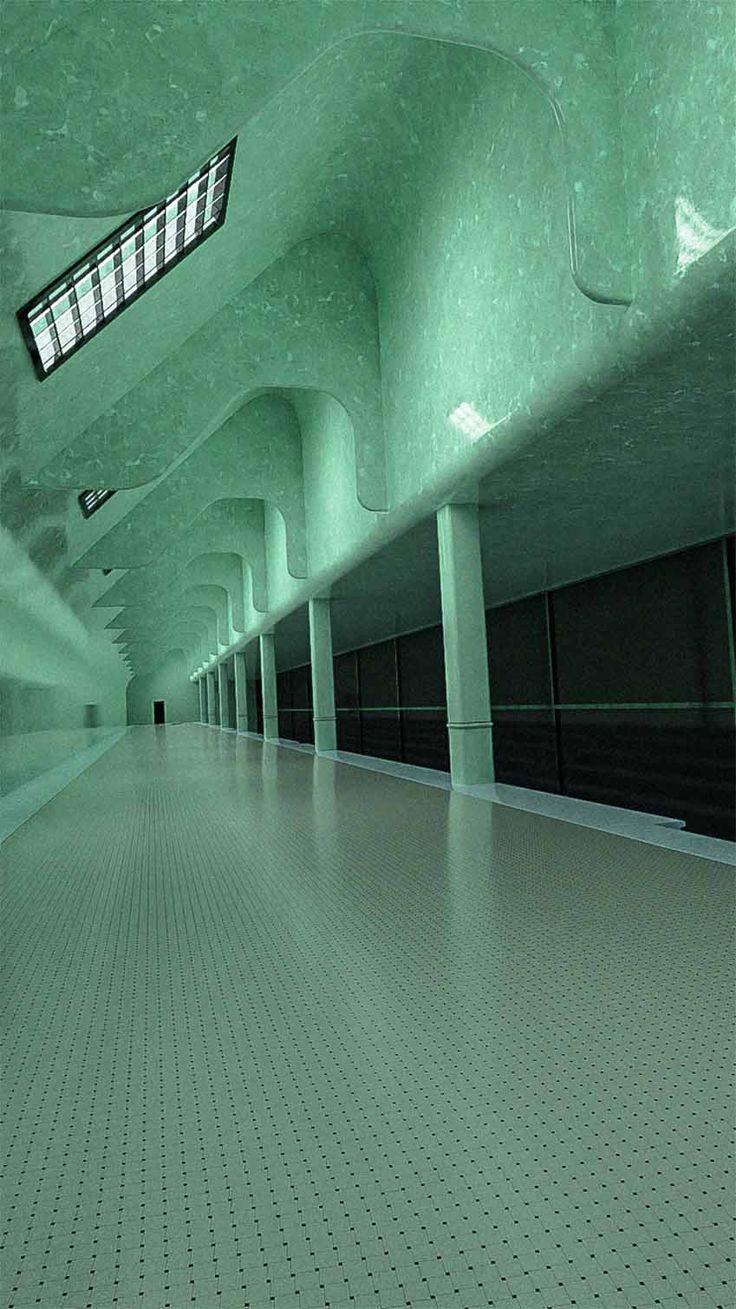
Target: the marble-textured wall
pixel 678 125
pixel 446 227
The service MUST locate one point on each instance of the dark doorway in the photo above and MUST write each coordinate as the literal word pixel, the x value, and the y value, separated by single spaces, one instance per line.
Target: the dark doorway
pixel 91 715
pixel 232 711
pixel 159 712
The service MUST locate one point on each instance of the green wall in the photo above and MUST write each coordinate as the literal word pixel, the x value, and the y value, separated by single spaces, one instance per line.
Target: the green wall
pixel 53 663
pixel 679 178
pixel 521 209
pixel 168 682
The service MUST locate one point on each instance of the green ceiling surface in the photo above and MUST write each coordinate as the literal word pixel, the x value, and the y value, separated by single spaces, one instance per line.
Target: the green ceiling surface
pixel 525 208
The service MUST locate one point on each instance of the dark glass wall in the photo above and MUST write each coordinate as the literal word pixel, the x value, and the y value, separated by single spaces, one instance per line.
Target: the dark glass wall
pixel 232 712
pixel 644 689
pixel 390 700
pixel 294 692
pixel 347 703
pixel 378 678
pixel 301 694
pixel 524 738
pixel 258 705
pixel 283 696
pixel 618 689
pixel 420 660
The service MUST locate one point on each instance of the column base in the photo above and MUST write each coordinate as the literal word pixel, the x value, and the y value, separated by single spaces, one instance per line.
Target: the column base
pixel 471 754
pixel 325 735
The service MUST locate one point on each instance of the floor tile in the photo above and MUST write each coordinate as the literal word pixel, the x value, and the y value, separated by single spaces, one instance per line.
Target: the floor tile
pixel 267 1015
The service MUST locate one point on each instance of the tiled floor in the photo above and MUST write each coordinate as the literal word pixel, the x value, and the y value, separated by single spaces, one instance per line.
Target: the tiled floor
pixel 282 1032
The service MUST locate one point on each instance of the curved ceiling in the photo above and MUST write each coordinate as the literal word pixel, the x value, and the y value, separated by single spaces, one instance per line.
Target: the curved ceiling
pixel 427 211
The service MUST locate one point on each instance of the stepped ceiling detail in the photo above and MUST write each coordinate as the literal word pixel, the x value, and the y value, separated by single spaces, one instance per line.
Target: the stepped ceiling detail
pixel 433 209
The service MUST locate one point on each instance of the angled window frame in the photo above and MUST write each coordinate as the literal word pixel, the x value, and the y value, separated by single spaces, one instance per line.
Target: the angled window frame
pixel 90 507
pixel 124 270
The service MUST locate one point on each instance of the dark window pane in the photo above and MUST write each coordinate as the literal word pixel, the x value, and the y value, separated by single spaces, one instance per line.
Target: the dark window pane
pixel 231 707
pixel 524 749
pixel 301 727
pixel 301 687
pixel 422 668
pixel 346 680
pixel 671 763
pixel 381 735
pixel 377 675
pixel 517 653
pixel 425 739
pixel 348 732
pixel 283 697
pixel 283 689
pixel 655 632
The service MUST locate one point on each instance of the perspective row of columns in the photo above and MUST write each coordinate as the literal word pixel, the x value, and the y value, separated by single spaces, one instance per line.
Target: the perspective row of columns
pixel 466 661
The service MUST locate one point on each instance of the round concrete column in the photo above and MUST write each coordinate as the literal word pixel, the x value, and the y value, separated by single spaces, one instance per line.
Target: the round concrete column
pixel 466 654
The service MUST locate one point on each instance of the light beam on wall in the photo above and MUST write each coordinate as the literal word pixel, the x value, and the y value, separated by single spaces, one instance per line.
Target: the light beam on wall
pixel 695 236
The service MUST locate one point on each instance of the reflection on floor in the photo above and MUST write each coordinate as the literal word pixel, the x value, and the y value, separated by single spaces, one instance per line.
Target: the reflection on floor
pixel 282 1032
pixel 653 829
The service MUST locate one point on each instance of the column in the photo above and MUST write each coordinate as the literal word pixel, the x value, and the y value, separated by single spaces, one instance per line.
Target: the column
pixel 202 685
pixel 222 685
pixel 241 691
pixel 466 654
pixel 323 680
pixel 268 687
pixel 211 700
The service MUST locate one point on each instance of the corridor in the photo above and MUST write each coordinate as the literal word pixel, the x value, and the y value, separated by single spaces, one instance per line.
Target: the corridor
pixel 280 1032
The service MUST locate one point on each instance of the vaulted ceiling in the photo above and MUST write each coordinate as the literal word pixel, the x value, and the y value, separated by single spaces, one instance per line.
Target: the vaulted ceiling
pixel 521 208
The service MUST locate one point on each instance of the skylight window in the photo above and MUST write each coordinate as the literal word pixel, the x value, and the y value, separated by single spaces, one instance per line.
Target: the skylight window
pixel 94 290
pixel 91 501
